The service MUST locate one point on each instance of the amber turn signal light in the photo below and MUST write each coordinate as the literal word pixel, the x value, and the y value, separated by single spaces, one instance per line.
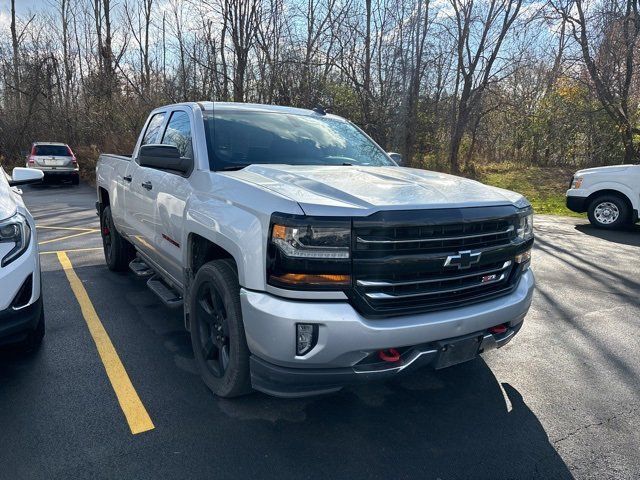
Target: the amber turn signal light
pixel 313 279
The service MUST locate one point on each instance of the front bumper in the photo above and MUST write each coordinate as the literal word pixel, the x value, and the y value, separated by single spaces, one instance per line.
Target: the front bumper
pixel 345 338
pixel 577 204
pixel 301 382
pixel 17 324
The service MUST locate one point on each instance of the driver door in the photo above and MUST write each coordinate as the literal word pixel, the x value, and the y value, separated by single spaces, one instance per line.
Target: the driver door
pixel 141 198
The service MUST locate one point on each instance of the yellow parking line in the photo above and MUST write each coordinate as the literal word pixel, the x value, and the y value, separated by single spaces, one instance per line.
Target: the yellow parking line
pixel 73 250
pixel 75 229
pixel 130 403
pixel 67 237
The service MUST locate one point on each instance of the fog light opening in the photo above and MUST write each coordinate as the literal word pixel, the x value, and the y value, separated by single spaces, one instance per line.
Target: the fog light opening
pixel 306 338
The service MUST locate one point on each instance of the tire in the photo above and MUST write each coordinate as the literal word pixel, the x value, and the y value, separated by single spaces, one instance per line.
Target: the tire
pixel 75 180
pixel 117 251
pixel 217 331
pixel 608 212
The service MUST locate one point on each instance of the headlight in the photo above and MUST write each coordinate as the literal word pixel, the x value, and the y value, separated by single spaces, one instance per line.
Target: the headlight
pixel 309 253
pixel 525 225
pixel 309 241
pixel 576 182
pixel 15 230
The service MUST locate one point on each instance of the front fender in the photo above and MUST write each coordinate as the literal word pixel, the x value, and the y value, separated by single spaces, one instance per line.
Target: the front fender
pixel 236 228
pixel 617 186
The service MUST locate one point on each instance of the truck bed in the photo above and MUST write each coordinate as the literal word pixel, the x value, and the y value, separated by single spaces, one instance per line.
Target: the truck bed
pixel 104 156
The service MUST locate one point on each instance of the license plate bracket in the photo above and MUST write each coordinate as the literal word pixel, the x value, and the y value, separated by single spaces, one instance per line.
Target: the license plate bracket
pixel 452 352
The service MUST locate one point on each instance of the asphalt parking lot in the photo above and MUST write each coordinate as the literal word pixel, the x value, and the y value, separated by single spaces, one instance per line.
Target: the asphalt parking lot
pixel 561 401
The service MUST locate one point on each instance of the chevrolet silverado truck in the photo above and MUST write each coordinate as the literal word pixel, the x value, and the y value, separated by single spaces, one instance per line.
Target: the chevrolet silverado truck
pixel 610 195
pixel 304 258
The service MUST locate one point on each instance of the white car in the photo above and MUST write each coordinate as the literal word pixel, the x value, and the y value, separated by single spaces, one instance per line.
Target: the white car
pixel 609 195
pixel 21 311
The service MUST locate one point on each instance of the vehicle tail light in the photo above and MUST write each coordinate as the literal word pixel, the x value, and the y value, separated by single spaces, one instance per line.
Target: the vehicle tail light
pixel 73 156
pixel 31 160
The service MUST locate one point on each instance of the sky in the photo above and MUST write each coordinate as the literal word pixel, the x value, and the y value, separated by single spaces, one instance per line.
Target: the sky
pixel 22 6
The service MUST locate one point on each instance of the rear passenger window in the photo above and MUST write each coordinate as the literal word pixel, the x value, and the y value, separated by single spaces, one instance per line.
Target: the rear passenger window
pixel 152 135
pixel 178 134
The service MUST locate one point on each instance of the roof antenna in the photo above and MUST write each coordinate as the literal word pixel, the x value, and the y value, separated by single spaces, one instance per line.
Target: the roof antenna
pixel 320 110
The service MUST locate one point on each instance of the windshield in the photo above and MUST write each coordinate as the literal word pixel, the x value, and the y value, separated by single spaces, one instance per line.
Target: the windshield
pixel 236 139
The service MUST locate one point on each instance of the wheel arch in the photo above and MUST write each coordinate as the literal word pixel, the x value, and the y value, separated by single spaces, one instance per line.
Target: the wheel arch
pixel 609 191
pixel 103 200
pixel 201 250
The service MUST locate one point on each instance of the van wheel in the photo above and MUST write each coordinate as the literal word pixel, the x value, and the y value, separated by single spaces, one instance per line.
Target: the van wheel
pixel 117 251
pixel 217 332
pixel 608 211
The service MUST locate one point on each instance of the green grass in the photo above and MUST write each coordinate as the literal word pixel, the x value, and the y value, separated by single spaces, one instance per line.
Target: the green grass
pixel 544 187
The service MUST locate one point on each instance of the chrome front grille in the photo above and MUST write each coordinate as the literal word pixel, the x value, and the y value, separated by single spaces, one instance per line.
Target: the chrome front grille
pixel 436 237
pixel 441 284
pixel 400 259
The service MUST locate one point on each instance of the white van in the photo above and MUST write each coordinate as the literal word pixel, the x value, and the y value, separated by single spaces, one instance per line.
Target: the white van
pixel 609 195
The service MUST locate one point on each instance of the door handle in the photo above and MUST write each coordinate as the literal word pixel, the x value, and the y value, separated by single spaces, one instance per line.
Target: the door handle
pixel 127 178
pixel 147 185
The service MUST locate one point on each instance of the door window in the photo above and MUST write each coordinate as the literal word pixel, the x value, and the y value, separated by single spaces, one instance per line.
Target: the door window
pixel 152 135
pixel 178 134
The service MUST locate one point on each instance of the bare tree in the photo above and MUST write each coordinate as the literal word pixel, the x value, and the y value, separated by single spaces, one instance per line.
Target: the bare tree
pixel 479 31
pixel 608 36
pixel 449 85
pixel 241 18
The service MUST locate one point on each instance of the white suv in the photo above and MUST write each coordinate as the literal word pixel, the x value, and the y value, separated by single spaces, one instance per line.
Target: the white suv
pixel 21 311
pixel 609 195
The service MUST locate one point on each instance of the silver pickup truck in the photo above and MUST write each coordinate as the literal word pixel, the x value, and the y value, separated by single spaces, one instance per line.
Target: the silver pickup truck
pixel 304 257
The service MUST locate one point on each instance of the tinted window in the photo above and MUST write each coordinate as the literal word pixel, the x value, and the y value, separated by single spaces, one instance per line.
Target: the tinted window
pixel 52 150
pixel 152 135
pixel 236 139
pixel 178 133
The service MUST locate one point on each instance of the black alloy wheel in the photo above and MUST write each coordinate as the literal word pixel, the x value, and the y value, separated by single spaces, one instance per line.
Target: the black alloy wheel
pixel 214 329
pixel 217 331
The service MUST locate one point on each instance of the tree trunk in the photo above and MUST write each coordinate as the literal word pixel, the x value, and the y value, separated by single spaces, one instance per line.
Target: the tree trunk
pixel 630 153
pixel 454 149
pixel 16 60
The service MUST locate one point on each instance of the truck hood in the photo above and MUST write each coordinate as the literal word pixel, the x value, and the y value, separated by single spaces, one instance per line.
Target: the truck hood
pixel 7 201
pixel 605 170
pixel 356 190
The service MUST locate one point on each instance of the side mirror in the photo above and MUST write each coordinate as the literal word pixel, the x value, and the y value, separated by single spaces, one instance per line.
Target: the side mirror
pixel 164 157
pixel 25 176
pixel 396 157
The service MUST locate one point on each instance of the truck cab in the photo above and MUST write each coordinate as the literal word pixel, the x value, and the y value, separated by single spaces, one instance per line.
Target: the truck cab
pixel 610 195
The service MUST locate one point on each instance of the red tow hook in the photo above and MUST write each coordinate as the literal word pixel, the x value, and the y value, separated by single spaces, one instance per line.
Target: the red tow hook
pixel 105 231
pixel 389 355
pixel 498 329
